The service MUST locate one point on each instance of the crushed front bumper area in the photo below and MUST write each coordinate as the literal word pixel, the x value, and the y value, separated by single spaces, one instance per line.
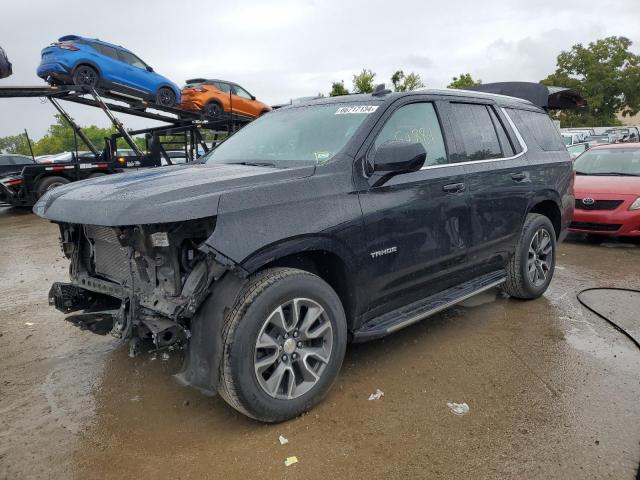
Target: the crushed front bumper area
pixel 138 283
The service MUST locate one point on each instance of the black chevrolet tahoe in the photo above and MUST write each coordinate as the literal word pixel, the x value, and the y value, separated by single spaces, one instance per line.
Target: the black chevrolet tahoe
pixel 330 221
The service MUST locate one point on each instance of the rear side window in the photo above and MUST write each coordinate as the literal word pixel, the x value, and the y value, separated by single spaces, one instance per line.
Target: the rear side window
pixel 223 87
pixel 539 128
pixel 106 50
pixel 416 122
pixel 477 135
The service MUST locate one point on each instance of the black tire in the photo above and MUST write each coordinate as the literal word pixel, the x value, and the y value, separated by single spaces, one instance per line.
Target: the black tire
pixel 212 110
pixel 86 76
pixel 48 183
pixel 519 283
pixel 266 292
pixel 97 174
pixel 166 97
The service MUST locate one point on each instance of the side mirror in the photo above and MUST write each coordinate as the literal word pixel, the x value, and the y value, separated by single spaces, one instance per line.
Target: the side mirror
pixel 253 97
pixel 149 69
pixel 399 156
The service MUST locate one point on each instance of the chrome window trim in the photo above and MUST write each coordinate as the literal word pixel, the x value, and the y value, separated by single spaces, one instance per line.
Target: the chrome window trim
pixel 521 141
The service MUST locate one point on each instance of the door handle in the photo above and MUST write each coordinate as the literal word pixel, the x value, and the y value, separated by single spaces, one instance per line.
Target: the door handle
pixel 519 177
pixel 454 188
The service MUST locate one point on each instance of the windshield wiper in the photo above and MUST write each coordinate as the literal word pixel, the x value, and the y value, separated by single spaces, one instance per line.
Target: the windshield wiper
pixel 255 164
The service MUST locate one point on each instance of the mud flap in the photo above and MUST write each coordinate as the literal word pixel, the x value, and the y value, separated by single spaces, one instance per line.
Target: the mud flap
pixel 201 367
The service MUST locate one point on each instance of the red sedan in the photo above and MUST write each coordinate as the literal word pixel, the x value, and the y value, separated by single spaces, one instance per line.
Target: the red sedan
pixel 607 190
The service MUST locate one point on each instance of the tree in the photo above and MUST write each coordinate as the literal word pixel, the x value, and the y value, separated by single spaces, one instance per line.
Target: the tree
pixel 338 89
pixel 463 81
pixel 402 83
pixel 60 138
pixel 363 82
pixel 15 144
pixel 607 74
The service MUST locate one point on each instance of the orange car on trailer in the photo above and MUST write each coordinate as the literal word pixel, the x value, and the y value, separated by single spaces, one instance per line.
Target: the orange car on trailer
pixel 214 97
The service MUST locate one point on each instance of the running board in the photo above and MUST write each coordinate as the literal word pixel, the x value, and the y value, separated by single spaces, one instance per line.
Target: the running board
pixel 414 312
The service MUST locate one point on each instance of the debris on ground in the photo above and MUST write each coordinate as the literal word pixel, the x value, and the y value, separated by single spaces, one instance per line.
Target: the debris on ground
pixel 29 324
pixel 165 356
pixel 154 357
pixel 135 399
pixel 290 461
pixel 377 395
pixel 283 440
pixel 458 408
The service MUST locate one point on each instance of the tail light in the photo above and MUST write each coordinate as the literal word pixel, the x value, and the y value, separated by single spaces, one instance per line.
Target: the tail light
pixel 67 46
pixel 12 182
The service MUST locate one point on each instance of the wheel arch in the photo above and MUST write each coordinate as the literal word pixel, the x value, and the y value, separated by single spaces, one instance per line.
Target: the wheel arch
pixel 549 206
pixel 323 257
pixel 175 90
pixel 88 63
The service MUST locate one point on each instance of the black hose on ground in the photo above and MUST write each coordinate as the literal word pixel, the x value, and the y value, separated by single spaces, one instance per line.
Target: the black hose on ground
pixel 608 320
pixel 611 322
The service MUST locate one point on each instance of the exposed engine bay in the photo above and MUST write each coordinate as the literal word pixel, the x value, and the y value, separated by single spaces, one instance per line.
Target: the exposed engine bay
pixel 142 282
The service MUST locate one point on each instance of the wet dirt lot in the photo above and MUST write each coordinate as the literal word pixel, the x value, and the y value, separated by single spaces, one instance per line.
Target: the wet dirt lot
pixel 553 390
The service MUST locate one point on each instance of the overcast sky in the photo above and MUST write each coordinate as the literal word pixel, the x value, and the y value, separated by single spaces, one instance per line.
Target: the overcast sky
pixel 285 49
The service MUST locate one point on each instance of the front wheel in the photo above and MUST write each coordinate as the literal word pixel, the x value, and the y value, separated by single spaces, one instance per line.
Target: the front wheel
pixel 531 268
pixel 284 342
pixel 166 97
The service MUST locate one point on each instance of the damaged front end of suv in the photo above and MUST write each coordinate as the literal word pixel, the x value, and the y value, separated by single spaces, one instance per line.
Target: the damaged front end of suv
pixel 140 283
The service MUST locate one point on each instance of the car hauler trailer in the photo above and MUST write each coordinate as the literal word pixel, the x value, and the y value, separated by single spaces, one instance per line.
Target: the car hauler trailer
pixel 182 130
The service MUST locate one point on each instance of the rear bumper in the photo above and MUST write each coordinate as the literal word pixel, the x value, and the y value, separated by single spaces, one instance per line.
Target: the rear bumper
pixel 191 104
pixel 624 223
pixel 55 70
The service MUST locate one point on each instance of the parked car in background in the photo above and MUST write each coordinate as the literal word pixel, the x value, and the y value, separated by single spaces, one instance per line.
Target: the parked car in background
pixel 66 157
pixel 607 190
pixel 571 138
pixel 12 162
pixel 5 65
pixel 598 140
pixel 94 63
pixel 624 134
pixel 343 218
pixel 214 97
pixel 577 149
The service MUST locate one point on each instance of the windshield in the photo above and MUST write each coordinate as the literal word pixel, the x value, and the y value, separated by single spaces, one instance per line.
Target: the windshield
pixel 609 161
pixel 293 136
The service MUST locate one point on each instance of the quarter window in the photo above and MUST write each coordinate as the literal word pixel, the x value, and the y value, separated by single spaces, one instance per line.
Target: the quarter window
pixel 539 126
pixel 507 148
pixel 416 122
pixel 477 135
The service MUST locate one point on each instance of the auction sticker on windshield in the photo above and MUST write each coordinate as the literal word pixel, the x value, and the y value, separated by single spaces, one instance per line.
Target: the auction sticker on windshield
pixel 357 109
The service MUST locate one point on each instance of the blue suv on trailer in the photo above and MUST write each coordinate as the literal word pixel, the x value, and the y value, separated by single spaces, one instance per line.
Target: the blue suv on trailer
pixel 93 63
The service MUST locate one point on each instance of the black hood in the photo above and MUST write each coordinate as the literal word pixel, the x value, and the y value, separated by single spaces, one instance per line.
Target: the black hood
pixel 156 195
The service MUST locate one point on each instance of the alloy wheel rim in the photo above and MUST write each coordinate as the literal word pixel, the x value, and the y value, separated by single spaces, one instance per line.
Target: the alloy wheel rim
pixel 87 77
pixel 540 257
pixel 165 98
pixel 293 349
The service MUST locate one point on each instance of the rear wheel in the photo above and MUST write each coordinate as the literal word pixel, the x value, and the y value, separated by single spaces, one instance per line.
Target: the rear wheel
pixel 212 110
pixel 166 97
pixel 49 183
pixel 531 268
pixel 86 76
pixel 284 342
